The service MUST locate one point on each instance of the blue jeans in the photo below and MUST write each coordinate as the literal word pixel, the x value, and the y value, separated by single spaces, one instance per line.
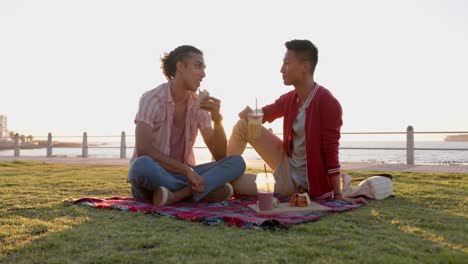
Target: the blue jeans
pixel 146 175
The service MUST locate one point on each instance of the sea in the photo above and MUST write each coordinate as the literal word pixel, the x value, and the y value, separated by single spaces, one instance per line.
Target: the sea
pixel 456 155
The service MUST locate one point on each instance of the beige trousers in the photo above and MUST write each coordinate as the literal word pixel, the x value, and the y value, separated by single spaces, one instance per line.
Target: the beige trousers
pixel 270 149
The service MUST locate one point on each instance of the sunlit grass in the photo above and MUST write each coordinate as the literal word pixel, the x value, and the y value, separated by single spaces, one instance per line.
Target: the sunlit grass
pixel 425 222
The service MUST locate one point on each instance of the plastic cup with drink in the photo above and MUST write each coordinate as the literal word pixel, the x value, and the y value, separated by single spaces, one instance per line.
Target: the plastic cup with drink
pixel 265 182
pixel 255 119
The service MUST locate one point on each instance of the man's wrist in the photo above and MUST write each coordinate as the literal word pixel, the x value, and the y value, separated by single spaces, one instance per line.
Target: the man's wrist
pixel 189 171
pixel 217 118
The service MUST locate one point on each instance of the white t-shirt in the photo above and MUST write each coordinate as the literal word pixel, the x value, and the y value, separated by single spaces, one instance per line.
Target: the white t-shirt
pixel 298 168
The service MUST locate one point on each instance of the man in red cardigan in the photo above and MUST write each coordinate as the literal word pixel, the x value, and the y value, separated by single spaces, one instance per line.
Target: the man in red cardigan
pixel 307 157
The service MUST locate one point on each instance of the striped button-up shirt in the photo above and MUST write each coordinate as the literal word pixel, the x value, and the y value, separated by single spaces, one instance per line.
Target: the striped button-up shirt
pixel 156 109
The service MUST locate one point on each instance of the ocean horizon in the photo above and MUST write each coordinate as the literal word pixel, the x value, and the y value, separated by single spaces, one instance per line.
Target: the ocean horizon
pixel 447 157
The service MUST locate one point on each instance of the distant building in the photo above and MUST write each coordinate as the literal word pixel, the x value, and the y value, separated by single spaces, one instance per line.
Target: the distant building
pixel 3 126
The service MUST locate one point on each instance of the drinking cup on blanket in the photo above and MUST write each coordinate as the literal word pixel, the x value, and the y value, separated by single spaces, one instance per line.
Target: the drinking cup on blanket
pixel 255 119
pixel 265 201
pixel 265 186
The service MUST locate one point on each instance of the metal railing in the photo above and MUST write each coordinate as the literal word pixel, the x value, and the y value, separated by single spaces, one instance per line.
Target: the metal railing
pixel 410 149
pixel 410 146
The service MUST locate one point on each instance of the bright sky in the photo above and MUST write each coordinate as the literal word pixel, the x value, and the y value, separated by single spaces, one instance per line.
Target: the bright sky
pixel 72 66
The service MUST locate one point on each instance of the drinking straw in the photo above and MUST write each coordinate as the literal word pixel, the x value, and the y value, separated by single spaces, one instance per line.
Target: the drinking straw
pixel 256 110
pixel 266 176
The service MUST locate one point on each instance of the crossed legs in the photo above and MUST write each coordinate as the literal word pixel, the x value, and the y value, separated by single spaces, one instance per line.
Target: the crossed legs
pixel 147 176
pixel 270 149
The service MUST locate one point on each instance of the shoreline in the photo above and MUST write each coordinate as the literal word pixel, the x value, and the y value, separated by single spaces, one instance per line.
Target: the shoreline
pixel 258 164
pixel 43 144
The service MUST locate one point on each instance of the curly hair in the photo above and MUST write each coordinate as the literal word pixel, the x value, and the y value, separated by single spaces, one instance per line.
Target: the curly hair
pixel 305 50
pixel 169 60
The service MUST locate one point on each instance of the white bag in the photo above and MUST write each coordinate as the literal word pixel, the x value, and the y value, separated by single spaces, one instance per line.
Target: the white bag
pixel 375 187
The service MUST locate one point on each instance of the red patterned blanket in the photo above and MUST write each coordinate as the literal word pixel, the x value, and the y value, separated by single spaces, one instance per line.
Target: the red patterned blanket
pixel 234 212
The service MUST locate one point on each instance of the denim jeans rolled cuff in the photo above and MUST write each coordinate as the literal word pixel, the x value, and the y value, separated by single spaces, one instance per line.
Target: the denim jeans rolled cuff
pixel 140 193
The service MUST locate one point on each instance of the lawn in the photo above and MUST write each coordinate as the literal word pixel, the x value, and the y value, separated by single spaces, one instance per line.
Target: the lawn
pixel 424 223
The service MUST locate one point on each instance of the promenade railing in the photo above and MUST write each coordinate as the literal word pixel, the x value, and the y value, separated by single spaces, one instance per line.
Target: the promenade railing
pixel 410 143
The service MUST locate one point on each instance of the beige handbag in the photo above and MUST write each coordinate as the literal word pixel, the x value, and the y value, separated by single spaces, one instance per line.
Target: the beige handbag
pixel 376 187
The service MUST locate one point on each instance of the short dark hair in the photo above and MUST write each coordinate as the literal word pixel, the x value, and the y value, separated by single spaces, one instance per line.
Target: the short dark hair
pixel 169 61
pixel 305 50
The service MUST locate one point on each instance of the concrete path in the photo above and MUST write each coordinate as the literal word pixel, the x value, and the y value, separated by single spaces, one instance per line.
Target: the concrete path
pixel 257 164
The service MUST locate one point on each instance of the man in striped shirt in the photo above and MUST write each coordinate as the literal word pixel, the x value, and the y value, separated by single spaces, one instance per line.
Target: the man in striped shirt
pixel 307 157
pixel 167 123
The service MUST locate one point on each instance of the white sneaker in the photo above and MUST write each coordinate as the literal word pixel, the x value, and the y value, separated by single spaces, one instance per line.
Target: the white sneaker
pixel 161 196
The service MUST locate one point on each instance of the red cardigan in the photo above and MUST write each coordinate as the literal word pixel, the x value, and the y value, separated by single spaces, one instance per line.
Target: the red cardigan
pixel 323 122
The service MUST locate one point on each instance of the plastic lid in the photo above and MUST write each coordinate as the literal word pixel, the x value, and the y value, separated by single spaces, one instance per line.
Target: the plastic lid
pixel 259 112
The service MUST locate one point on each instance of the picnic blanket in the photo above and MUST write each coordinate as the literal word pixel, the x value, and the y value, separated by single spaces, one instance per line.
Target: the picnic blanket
pixel 234 212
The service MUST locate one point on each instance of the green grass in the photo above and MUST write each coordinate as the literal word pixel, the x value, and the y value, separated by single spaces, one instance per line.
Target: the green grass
pixel 425 222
